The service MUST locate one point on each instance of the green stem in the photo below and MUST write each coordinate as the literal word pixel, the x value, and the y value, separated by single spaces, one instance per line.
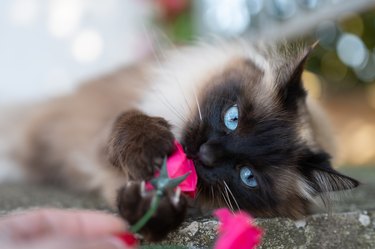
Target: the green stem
pixel 147 216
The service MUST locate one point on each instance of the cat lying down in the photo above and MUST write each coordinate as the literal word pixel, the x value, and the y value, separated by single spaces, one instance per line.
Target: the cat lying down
pixel 258 142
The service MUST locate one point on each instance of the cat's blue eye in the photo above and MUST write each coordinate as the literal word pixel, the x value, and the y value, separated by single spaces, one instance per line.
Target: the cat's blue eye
pixel 231 118
pixel 248 178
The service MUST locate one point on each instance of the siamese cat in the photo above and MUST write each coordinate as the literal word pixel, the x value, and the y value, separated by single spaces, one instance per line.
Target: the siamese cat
pixel 258 142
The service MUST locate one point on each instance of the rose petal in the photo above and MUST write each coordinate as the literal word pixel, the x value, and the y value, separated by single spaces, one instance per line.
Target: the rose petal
pixel 236 230
pixel 224 215
pixel 178 165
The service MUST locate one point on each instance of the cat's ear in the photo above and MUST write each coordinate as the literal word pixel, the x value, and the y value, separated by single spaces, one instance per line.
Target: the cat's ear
pixel 291 88
pixel 322 177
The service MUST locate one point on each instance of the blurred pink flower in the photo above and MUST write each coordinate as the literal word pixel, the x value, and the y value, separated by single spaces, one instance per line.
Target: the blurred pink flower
pixel 173 8
pixel 236 230
pixel 128 239
pixel 178 165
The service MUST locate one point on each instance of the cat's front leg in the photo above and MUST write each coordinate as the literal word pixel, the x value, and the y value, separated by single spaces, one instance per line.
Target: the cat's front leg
pixel 138 143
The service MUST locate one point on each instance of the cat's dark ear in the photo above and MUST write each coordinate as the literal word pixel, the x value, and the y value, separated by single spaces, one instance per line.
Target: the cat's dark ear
pixel 322 177
pixel 291 88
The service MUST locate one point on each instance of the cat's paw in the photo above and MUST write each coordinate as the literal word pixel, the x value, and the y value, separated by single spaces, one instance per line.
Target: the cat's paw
pixel 138 144
pixel 133 203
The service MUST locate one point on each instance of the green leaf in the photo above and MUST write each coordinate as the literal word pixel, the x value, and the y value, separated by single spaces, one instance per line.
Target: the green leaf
pixel 174 182
pixel 163 182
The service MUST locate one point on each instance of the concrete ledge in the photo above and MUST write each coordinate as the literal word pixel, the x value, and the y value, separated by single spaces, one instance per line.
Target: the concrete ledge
pixel 341 230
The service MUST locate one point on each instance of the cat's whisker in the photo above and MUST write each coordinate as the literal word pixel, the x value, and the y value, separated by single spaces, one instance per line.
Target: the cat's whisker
pixel 180 87
pixel 198 193
pixel 198 106
pixel 235 201
pixel 228 198
pixel 165 101
pixel 170 73
pixel 226 201
pixel 213 195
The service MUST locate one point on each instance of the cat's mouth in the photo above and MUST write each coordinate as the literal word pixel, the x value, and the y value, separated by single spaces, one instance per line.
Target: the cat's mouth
pixel 207 175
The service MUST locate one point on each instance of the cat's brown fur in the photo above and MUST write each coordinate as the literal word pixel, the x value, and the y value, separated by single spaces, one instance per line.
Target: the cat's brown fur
pixel 136 141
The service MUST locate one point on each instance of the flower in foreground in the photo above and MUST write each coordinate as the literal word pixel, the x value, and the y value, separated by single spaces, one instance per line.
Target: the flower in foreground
pixel 236 230
pixel 129 239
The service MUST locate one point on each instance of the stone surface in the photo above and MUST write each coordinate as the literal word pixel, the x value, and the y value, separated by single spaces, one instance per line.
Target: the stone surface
pixel 15 197
pixel 352 224
pixel 342 230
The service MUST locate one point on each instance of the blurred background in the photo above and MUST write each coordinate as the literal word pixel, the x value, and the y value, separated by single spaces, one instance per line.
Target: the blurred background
pixel 49 47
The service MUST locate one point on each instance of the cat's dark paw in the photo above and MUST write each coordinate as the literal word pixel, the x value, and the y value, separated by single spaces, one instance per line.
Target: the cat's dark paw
pixel 133 204
pixel 138 144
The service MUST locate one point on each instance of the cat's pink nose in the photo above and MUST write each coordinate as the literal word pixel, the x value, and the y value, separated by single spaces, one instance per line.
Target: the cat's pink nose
pixel 206 155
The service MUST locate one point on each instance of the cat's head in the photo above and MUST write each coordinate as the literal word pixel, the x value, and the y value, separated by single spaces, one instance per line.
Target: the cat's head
pixel 246 123
pixel 247 139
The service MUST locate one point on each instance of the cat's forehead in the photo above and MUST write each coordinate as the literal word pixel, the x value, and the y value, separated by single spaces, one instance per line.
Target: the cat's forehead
pixel 241 80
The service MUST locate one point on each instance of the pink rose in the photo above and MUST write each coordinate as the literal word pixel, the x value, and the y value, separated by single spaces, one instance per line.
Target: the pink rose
pixel 236 230
pixel 178 165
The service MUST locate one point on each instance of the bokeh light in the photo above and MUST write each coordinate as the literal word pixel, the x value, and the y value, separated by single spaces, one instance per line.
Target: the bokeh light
pixel 367 71
pixel 87 46
pixel 220 18
pixel 351 50
pixel 64 16
pixel 326 32
pixel 255 6
pixel 281 9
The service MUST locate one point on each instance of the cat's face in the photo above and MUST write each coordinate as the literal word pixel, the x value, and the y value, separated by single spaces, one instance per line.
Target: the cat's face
pixel 247 146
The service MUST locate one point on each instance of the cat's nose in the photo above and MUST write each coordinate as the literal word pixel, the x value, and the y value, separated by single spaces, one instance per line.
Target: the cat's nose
pixel 206 155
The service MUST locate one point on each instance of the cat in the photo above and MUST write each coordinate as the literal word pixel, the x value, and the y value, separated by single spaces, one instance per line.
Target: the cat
pixel 258 141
